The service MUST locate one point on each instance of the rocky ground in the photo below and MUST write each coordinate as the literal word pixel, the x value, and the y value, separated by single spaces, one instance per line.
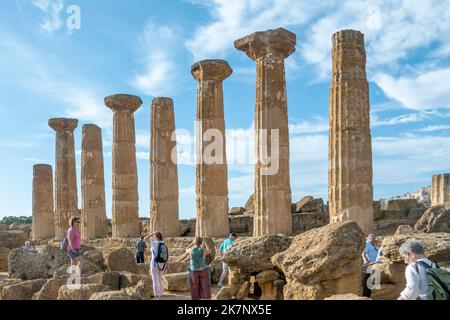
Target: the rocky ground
pixel 323 262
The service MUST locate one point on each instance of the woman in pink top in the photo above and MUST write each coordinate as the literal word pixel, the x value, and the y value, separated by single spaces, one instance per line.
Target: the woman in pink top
pixel 73 245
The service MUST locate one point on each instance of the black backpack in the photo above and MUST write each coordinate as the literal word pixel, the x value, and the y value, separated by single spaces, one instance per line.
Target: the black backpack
pixel 162 255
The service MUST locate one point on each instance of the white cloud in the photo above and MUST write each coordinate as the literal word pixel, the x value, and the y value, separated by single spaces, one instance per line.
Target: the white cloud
pixel 434 128
pixel 319 125
pixel 156 50
pixel 52 9
pixel 401 119
pixel 41 73
pixel 419 92
pixel 236 18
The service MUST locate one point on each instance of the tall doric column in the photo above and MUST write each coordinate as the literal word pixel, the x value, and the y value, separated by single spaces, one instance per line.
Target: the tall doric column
pixel 272 198
pixel 43 223
pixel 440 189
pixel 350 190
pixel 212 173
pixel 66 194
pixel 93 212
pixel 163 171
pixel 125 206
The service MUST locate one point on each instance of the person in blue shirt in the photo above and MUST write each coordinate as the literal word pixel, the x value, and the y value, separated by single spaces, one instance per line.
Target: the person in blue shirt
pixel 372 254
pixel 223 247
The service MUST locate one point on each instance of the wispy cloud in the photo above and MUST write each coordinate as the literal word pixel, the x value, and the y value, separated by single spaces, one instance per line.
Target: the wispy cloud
pixel 421 91
pixel 156 53
pixel 233 19
pixel 52 10
pixel 435 128
pixel 79 97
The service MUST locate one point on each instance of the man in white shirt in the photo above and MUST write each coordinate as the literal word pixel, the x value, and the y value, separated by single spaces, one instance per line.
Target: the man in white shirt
pixel 412 251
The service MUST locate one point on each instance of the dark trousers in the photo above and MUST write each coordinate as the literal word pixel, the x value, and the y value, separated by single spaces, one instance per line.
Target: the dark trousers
pixel 366 291
pixel 140 257
pixel 200 285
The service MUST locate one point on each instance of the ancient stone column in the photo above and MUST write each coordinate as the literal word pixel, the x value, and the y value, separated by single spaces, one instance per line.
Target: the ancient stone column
pixel 66 194
pixel 212 173
pixel 93 212
pixel 350 190
pixel 125 207
pixel 43 224
pixel 163 171
pixel 272 196
pixel 440 189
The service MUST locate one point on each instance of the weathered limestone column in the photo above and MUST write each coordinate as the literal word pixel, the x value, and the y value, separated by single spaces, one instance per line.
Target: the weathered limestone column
pixel 43 224
pixel 212 173
pixel 350 189
pixel 272 196
pixel 93 212
pixel 125 206
pixel 440 189
pixel 163 171
pixel 66 194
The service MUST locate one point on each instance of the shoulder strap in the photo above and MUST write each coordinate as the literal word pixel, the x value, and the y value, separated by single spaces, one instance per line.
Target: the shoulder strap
pixel 374 246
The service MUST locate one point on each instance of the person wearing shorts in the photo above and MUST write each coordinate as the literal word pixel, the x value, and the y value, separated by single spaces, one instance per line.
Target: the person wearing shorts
pixel 74 245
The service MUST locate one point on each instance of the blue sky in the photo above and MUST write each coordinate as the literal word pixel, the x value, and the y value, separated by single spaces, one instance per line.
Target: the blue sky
pixel 147 48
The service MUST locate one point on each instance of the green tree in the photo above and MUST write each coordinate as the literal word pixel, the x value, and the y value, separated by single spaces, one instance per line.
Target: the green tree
pixel 14 219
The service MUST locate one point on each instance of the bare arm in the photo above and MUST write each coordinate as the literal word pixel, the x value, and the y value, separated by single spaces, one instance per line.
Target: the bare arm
pixel 207 249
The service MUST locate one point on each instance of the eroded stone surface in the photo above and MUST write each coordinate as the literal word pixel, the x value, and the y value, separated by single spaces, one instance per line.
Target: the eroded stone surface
pixel 272 197
pixel 440 189
pixel 350 190
pixel 43 224
pixel 125 207
pixel 212 172
pixel 93 214
pixel 163 170
pixel 66 194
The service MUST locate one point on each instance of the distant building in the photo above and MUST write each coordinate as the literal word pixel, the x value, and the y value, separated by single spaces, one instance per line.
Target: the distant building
pixel 422 194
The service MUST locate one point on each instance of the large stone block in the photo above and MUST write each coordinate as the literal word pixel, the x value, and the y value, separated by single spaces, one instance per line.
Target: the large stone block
pixel 323 262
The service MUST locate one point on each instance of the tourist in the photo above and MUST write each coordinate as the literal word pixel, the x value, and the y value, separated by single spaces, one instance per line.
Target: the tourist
pixel 223 248
pixel 413 253
pixel 28 247
pixel 158 263
pixel 199 270
pixel 74 245
pixel 371 255
pixel 140 250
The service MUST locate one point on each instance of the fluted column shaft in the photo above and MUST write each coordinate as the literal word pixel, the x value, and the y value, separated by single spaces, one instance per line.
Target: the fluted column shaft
pixel 272 196
pixel 350 188
pixel 440 189
pixel 163 170
pixel 66 194
pixel 43 224
pixel 93 214
pixel 212 171
pixel 125 206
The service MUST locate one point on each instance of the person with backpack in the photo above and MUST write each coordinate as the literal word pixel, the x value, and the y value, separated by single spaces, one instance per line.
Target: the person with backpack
pixel 424 279
pixel 158 263
pixel 140 250
pixel 199 270
pixel 73 245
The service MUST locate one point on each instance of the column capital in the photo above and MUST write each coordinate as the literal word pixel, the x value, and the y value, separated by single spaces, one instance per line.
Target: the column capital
pixel 278 42
pixel 63 124
pixel 162 101
pixel 123 102
pixel 211 70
